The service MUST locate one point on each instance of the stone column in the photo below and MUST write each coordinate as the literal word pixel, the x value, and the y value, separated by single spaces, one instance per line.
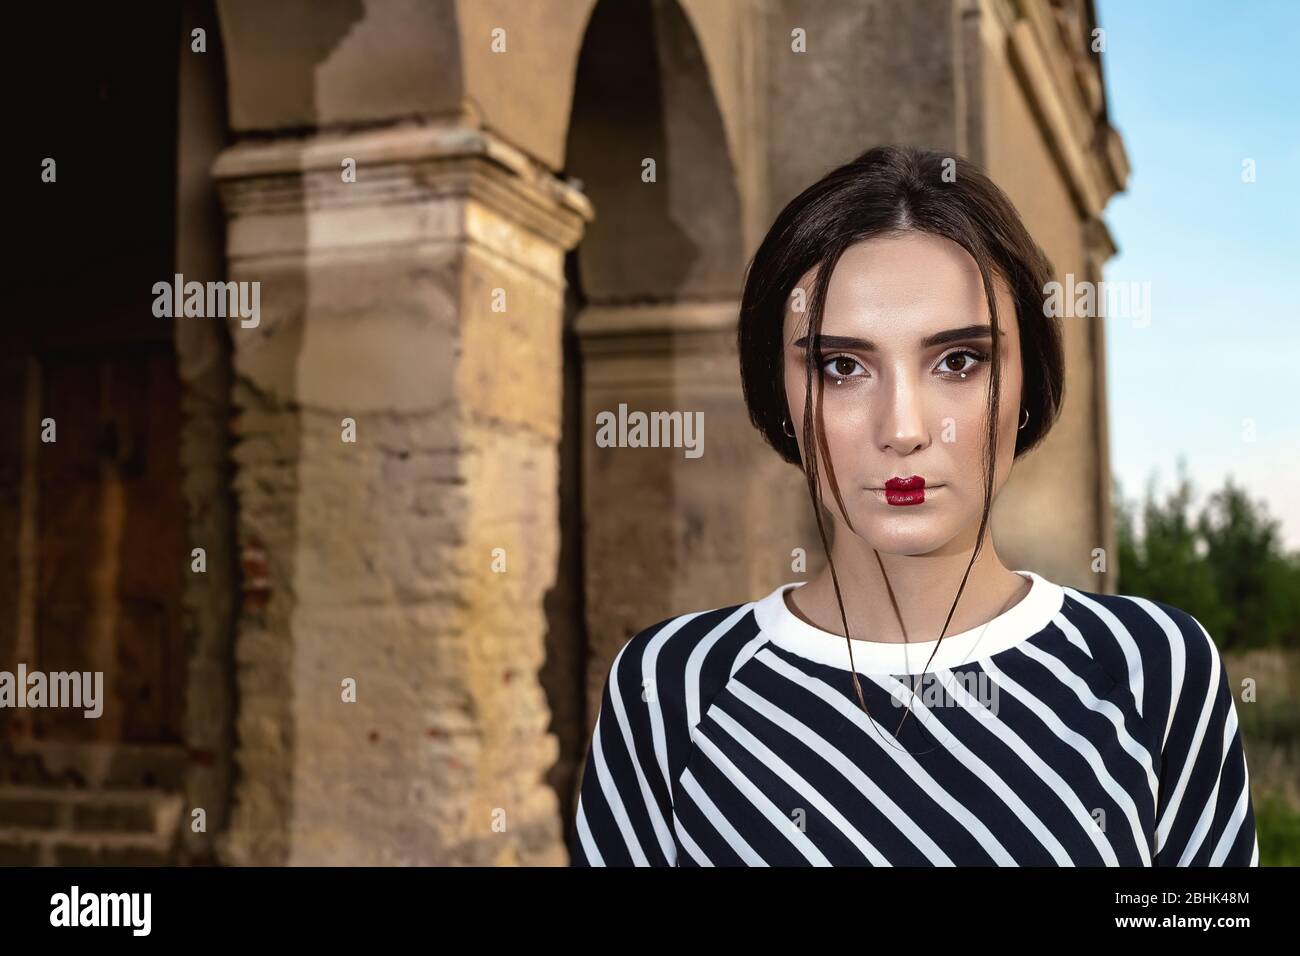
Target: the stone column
pixel 203 357
pixel 417 310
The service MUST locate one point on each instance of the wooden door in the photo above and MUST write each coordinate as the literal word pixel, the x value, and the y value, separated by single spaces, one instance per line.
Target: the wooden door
pixel 111 541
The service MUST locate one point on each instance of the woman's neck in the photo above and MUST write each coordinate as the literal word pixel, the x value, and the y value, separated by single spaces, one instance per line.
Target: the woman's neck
pixel 923 587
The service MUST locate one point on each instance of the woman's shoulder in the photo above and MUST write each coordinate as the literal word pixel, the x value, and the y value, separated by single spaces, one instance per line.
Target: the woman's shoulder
pixel 1157 627
pixel 1160 649
pixel 689 656
pixel 694 638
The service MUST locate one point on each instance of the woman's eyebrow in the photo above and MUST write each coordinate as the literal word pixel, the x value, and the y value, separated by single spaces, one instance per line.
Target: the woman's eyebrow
pixel 938 338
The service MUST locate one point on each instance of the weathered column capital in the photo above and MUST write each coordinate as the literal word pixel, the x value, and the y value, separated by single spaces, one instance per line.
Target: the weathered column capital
pixel 402 168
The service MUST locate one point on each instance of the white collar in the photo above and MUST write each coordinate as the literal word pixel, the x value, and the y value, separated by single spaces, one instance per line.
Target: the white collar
pixel 1023 620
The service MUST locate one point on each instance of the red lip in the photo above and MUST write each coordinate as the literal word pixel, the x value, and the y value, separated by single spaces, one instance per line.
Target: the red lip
pixel 905 491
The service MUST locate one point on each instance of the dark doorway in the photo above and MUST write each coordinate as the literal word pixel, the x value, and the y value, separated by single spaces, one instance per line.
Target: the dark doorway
pixel 97 554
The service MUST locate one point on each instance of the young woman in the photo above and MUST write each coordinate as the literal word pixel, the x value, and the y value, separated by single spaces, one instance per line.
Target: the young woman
pixel 917 703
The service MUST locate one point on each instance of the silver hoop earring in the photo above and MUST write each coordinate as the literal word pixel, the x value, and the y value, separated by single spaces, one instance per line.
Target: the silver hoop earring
pixel 784 422
pixel 1026 421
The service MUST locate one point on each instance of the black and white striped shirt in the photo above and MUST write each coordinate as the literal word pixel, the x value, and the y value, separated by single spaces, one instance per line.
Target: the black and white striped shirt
pixel 1075 729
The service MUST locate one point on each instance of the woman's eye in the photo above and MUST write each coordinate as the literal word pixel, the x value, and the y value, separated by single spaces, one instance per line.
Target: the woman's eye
pixel 841 367
pixel 963 360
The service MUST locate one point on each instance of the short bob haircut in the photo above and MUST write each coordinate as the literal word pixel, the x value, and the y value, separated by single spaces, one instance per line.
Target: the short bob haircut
pixel 886 191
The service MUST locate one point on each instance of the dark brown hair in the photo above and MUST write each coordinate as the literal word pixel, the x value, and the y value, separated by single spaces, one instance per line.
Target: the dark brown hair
pixel 886 191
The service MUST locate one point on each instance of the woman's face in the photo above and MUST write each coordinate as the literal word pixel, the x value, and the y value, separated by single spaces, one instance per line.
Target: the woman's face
pixel 894 402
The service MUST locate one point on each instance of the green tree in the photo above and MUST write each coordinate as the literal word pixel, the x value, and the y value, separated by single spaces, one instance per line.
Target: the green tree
pixel 1166 560
pixel 1254 577
pixel 1225 566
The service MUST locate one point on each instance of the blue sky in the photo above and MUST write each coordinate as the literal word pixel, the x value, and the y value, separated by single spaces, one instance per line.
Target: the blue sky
pixel 1195 88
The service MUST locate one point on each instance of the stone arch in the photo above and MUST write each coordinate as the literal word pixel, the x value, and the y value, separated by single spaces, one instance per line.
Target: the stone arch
pixel 643 92
pixel 651 301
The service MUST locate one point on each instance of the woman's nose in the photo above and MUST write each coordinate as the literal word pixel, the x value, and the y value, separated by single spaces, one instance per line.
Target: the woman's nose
pixel 902 419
